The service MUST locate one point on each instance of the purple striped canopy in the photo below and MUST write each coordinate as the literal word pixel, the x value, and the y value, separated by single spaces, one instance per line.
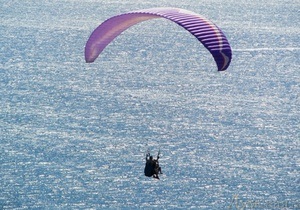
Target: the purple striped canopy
pixel 204 30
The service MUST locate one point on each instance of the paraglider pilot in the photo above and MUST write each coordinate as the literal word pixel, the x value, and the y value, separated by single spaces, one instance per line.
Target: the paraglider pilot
pixel 152 167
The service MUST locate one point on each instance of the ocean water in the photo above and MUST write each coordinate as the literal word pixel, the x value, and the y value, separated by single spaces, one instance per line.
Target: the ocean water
pixel 74 135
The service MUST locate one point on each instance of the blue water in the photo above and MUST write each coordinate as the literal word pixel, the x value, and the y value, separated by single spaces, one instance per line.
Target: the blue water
pixel 74 135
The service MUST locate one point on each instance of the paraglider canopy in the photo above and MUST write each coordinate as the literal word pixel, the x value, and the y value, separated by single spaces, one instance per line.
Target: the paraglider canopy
pixel 204 30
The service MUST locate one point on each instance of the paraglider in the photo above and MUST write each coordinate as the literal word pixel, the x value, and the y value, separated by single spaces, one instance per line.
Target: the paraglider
pixel 203 29
pixel 152 168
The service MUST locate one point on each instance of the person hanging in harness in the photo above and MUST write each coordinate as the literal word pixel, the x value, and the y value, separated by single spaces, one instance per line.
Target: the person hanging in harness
pixel 152 167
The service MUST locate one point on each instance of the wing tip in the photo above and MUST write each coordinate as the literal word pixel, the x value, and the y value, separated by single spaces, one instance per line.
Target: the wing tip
pixel 226 55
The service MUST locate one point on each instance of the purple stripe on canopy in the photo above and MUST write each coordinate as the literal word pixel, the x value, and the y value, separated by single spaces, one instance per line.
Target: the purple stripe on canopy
pixel 204 30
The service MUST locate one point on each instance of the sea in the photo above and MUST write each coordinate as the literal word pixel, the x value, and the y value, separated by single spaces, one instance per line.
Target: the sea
pixel 74 135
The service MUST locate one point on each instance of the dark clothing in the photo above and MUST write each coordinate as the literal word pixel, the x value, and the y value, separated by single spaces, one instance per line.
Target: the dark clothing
pixel 149 169
pixel 152 167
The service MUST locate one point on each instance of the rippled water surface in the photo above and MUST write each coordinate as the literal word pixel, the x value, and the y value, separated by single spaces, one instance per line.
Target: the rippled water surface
pixel 74 135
